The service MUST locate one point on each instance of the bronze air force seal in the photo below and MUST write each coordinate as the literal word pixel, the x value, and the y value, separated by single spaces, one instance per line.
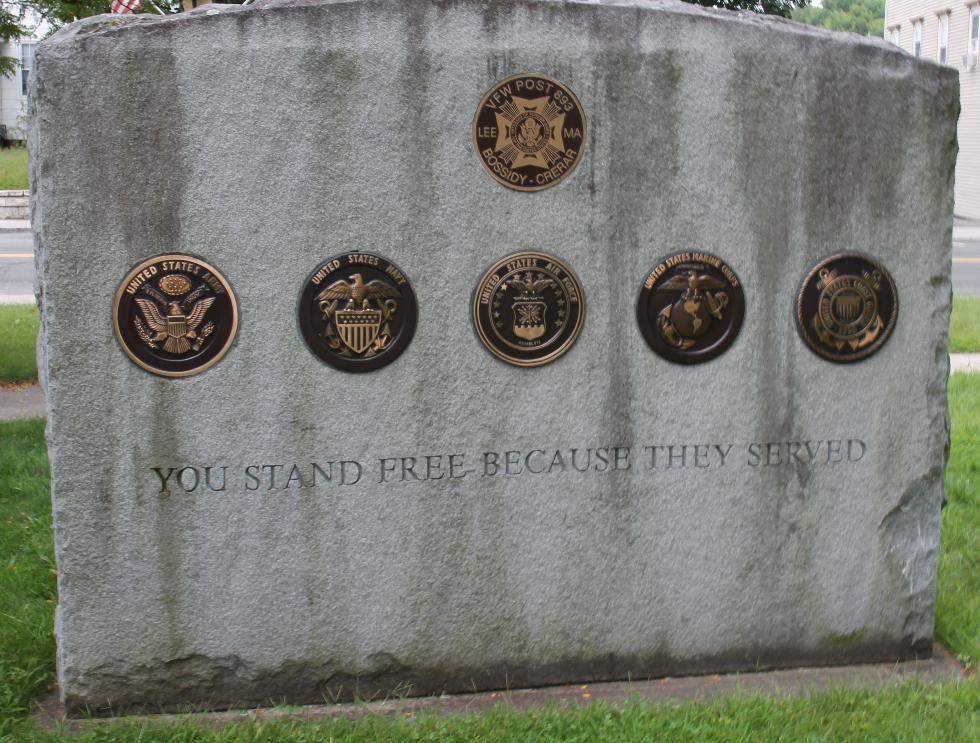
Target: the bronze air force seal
pixel 357 312
pixel 528 308
pixel 847 307
pixel 175 315
pixel 690 307
pixel 529 132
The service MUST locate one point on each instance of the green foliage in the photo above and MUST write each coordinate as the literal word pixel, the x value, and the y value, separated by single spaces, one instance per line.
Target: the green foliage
pixel 59 12
pixel 18 338
pixel 865 17
pixel 768 7
pixel 964 325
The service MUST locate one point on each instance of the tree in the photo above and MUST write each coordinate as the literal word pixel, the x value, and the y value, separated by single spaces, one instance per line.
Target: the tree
pixel 769 7
pixel 866 17
pixel 19 18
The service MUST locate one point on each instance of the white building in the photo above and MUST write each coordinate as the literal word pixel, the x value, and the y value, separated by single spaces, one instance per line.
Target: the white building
pixel 948 31
pixel 13 89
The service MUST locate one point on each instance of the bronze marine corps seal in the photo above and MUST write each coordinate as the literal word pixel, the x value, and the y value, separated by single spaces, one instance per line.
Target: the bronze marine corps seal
pixel 847 307
pixel 528 308
pixel 690 307
pixel 357 312
pixel 529 132
pixel 175 315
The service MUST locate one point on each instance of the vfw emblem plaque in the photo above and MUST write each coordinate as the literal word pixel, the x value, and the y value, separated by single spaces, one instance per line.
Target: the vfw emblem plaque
pixel 175 315
pixel 847 307
pixel 529 132
pixel 528 308
pixel 357 312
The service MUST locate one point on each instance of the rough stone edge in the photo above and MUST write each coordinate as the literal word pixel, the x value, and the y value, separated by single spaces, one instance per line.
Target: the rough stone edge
pixel 49 714
pixel 110 24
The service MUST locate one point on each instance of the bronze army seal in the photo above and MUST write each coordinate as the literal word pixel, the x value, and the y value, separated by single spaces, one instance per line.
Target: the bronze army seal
pixel 357 312
pixel 847 307
pixel 690 307
pixel 529 132
pixel 528 308
pixel 175 315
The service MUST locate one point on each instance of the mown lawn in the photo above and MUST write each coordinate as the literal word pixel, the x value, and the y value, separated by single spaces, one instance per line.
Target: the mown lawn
pixel 944 712
pixel 18 337
pixel 13 168
pixel 964 325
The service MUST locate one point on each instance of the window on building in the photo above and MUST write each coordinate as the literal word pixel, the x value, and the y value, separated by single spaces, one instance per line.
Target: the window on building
pixel 26 64
pixel 917 38
pixel 975 29
pixel 896 36
pixel 942 56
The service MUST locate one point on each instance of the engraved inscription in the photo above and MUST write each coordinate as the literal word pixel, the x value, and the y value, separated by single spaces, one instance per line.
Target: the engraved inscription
pixel 644 460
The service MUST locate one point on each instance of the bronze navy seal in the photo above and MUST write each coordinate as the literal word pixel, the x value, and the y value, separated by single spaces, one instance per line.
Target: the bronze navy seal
pixel 529 132
pixel 528 308
pixel 846 307
pixel 175 315
pixel 690 307
pixel 357 312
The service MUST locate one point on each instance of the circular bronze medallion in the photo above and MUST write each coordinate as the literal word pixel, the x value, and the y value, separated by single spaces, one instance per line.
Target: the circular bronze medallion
pixel 357 312
pixel 175 315
pixel 529 132
pixel 691 307
pixel 846 307
pixel 528 308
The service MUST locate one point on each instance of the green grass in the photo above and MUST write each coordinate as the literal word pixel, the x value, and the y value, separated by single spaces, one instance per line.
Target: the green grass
pixel 958 599
pixel 18 337
pixel 27 587
pixel 964 325
pixel 946 712
pixel 13 168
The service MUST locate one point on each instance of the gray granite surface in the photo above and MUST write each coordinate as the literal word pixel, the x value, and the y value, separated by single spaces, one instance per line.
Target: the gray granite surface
pixel 267 138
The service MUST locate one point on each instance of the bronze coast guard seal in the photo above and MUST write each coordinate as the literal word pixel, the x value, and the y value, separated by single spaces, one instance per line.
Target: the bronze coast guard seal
pixel 357 312
pixel 529 132
pixel 175 315
pixel 690 307
pixel 528 308
pixel 847 307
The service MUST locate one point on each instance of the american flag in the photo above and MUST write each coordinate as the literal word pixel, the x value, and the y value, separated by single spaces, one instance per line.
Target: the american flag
pixel 124 6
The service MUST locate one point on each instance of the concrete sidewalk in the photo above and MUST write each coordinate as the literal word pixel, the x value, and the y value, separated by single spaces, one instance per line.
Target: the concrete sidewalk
pixel 964 362
pixel 21 402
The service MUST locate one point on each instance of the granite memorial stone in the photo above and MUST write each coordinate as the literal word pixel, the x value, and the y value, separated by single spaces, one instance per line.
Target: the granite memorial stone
pixel 274 528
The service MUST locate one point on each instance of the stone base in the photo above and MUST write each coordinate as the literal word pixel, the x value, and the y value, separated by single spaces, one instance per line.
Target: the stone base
pixel 941 666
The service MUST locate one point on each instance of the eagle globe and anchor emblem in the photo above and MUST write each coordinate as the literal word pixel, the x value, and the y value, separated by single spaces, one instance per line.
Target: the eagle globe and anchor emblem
pixel 691 306
pixel 689 318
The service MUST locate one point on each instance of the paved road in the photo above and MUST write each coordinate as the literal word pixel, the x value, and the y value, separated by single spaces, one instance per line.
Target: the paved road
pixel 17 263
pixel 16 267
pixel 966 258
